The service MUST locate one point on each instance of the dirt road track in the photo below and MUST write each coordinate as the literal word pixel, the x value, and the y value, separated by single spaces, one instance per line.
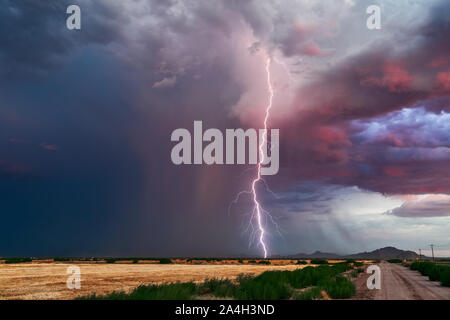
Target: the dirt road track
pixel 401 283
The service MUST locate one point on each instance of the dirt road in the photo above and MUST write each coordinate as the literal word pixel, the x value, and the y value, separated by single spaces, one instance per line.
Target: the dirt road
pixel 401 283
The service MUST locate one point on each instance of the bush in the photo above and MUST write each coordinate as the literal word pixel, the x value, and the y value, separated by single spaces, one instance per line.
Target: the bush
pixel 314 293
pixel 302 262
pixel 350 261
pixel 266 286
pixel 60 259
pixel 165 261
pixel 171 291
pixel 110 260
pixel 319 261
pixel 18 260
pixel 445 277
pixel 434 272
pixel 338 288
pixel 264 262
pixel 395 261
pixel 218 287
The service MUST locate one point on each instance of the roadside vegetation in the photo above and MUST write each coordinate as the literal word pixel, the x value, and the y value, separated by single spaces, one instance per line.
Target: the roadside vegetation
pixel 434 272
pixel 395 260
pixel 303 284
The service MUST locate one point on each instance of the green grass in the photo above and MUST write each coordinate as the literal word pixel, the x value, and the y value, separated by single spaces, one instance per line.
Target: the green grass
pixel 269 285
pixel 17 260
pixel 434 272
pixel 171 291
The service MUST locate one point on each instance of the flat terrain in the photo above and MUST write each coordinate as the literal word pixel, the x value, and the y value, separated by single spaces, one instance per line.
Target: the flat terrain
pixel 48 280
pixel 401 283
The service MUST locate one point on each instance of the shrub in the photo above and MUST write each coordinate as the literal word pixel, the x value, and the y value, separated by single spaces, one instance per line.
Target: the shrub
pixel 266 286
pixel 445 277
pixel 170 291
pixel 302 262
pixel 395 261
pixel 165 261
pixel 350 261
pixel 314 293
pixel 319 261
pixel 18 260
pixel 218 287
pixel 264 262
pixel 433 271
pixel 110 260
pixel 61 259
pixel 338 288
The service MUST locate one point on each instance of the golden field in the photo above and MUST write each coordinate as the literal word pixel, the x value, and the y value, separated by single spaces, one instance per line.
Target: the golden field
pixel 47 279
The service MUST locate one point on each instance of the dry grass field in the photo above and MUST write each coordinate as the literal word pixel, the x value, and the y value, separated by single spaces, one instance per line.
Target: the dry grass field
pixel 47 280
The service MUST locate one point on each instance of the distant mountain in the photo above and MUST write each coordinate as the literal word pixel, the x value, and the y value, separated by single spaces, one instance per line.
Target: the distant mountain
pixel 381 254
pixel 386 253
pixel 316 255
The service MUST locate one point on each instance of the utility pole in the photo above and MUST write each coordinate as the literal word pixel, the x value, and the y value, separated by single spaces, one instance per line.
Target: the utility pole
pixel 432 252
pixel 420 254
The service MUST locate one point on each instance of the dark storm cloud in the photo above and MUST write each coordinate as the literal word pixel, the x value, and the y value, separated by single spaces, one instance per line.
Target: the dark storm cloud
pixel 35 37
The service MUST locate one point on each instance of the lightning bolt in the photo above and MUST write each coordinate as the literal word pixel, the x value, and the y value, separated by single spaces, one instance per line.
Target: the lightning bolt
pixel 259 212
pixel 258 209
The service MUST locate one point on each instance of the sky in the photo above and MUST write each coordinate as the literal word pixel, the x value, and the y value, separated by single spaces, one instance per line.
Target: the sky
pixel 86 118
